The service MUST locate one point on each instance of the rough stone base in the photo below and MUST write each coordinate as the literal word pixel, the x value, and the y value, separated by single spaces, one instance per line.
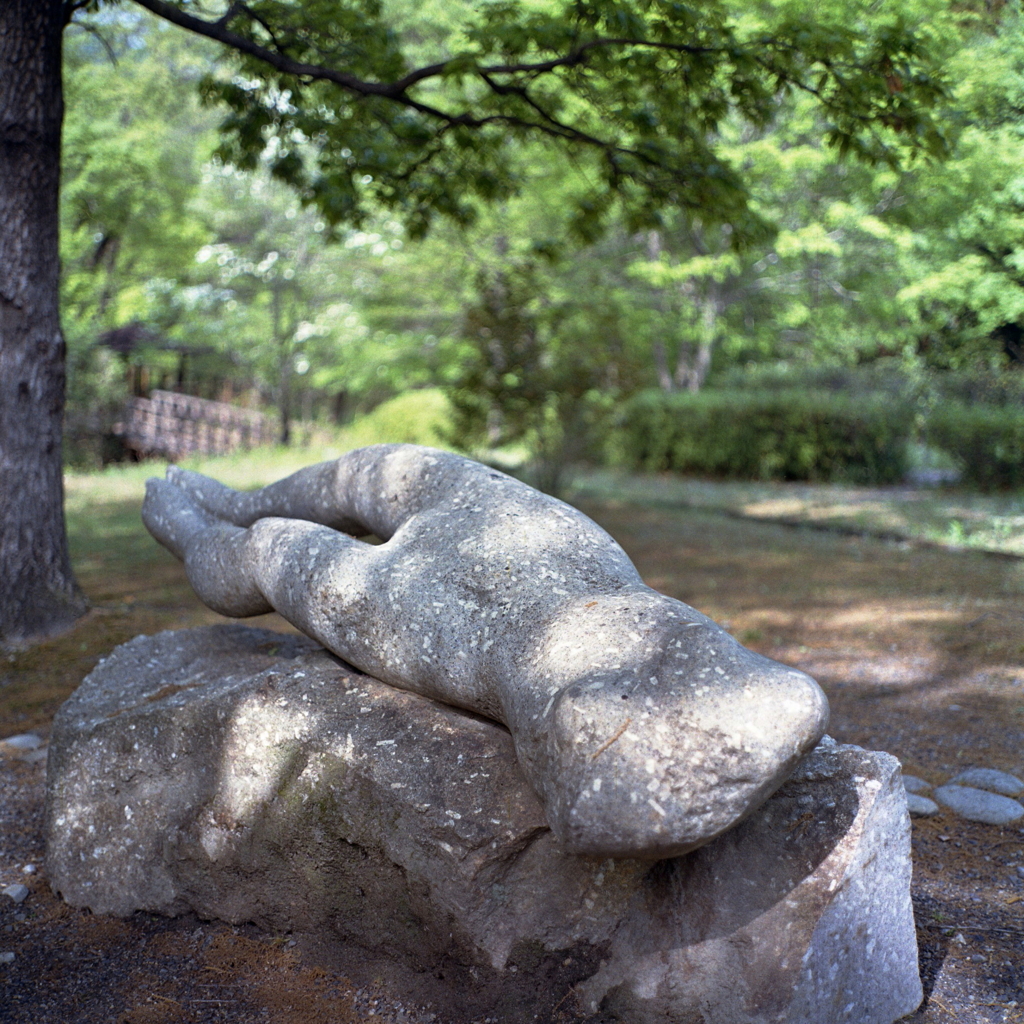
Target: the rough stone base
pixel 251 776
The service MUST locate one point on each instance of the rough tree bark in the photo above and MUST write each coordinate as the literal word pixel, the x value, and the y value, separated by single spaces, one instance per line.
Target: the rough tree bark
pixel 38 593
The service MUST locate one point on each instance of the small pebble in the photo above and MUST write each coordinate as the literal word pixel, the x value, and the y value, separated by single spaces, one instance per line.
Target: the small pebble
pixel 17 892
pixel 23 741
pixel 912 784
pixel 990 779
pixel 29 869
pixel 6 958
pixel 920 806
pixel 1020 871
pixel 979 805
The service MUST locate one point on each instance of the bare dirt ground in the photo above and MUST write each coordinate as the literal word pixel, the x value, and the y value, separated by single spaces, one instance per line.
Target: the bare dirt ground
pixel 921 651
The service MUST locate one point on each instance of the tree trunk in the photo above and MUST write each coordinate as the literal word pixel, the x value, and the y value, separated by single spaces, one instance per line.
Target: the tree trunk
pixel 38 593
pixel 284 366
pixel 692 372
pixel 665 381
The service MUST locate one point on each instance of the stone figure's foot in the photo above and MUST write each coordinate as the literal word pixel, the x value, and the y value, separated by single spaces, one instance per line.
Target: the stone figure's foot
pixel 217 560
pixel 658 760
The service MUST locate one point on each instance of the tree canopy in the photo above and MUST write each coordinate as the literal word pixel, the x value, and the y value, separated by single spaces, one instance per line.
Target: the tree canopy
pixel 362 108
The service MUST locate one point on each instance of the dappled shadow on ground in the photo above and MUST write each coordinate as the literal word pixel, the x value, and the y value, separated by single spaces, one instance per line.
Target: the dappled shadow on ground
pixel 920 651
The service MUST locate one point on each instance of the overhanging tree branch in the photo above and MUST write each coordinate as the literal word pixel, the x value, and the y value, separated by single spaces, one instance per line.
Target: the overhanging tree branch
pixel 397 92
pixel 778 60
pixel 218 31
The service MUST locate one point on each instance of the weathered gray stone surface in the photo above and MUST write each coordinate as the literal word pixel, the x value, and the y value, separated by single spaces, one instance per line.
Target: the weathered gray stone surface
pixel 991 779
pixel 644 728
pixel 979 805
pixel 252 777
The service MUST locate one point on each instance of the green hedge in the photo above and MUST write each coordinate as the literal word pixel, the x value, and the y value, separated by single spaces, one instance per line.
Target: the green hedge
pixel 883 377
pixel 986 440
pixel 1003 388
pixel 766 435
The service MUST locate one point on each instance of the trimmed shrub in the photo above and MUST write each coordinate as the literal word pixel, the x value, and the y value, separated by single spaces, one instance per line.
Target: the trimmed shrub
pixel 766 435
pixel 987 442
pixel 1003 388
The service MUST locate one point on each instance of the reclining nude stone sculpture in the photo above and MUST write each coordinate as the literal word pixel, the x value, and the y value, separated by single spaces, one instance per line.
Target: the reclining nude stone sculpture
pixel 645 728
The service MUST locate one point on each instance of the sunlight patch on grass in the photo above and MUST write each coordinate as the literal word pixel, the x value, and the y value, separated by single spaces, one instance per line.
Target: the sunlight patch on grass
pixel 417 417
pixel 986 522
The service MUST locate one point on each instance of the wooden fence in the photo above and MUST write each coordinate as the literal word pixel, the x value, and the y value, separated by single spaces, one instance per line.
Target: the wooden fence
pixel 172 426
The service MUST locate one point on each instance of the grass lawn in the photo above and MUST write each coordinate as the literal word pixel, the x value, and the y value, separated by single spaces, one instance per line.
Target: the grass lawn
pixel 948 518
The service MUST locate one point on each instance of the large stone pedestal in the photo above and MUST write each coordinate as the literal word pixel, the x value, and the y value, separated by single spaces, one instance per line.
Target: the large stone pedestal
pixel 251 776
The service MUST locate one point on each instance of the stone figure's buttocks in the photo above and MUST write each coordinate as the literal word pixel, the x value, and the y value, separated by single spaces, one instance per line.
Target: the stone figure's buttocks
pixel 645 728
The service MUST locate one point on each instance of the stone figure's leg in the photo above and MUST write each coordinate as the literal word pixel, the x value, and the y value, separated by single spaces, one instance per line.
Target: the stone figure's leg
pixel 276 564
pixel 309 494
pixel 370 490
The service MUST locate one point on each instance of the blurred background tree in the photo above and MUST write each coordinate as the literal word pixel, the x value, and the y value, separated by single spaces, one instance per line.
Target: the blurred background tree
pixel 620 197
pixel 541 314
pixel 846 262
pixel 189 234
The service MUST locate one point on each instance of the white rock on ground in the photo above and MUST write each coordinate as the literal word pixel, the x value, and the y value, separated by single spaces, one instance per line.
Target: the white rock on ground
pixel 24 747
pixel 20 743
pixel 250 776
pixel 920 806
pixel 979 805
pixel 34 756
pixel 991 780
pixel 16 892
pixel 912 784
